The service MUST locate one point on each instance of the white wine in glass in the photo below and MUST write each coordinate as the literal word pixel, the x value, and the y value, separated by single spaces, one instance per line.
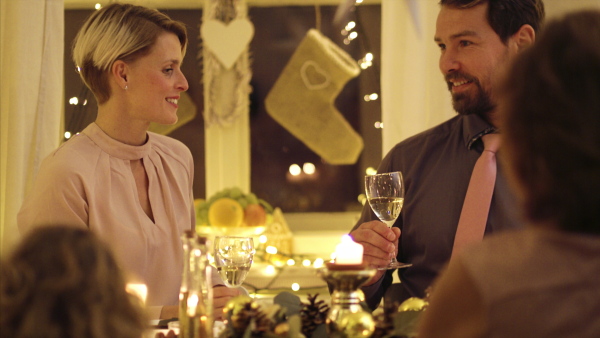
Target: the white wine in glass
pixel 233 258
pixel 385 193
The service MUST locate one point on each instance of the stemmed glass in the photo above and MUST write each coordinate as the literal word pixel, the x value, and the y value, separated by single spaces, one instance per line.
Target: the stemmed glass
pixel 385 193
pixel 233 258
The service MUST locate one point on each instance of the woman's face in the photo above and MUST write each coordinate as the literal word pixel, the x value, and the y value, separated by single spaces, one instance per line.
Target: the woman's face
pixel 155 82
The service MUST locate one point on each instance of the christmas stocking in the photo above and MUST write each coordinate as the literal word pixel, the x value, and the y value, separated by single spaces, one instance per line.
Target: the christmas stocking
pixel 302 99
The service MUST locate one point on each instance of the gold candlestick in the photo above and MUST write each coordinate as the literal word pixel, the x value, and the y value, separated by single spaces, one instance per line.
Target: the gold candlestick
pixel 347 318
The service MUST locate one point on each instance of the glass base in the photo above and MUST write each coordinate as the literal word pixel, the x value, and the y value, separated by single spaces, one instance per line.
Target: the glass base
pixel 394 265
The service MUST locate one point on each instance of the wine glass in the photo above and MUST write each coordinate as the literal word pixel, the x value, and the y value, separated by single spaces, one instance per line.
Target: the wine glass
pixel 385 193
pixel 233 258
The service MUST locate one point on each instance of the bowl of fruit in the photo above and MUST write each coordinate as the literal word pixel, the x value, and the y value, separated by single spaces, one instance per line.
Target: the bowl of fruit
pixel 232 212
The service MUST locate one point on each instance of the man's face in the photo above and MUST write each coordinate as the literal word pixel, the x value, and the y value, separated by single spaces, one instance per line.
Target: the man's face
pixel 471 56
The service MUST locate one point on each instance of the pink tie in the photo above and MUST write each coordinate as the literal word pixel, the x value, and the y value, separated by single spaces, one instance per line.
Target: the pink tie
pixel 476 207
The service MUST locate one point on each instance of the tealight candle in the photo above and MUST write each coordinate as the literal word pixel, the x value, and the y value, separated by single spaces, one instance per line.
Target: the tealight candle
pixel 348 252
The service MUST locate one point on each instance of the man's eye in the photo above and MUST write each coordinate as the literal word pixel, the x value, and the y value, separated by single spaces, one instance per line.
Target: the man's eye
pixel 464 43
pixel 442 46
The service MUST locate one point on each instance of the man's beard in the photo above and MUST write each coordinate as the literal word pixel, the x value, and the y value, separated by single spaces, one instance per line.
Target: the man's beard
pixel 464 103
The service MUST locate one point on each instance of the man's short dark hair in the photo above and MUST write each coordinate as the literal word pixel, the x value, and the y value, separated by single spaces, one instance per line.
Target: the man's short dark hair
pixel 506 17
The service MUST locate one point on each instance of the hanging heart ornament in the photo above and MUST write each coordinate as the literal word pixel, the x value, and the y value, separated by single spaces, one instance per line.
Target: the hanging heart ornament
pixel 227 41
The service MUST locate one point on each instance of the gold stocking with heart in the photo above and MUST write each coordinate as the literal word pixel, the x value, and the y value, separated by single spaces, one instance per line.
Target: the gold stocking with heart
pixel 302 99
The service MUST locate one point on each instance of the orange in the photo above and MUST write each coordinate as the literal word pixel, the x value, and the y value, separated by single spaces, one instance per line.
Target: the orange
pixel 225 212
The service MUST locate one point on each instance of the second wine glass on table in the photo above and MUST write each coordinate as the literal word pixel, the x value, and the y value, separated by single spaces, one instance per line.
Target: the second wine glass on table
pixel 385 193
pixel 233 258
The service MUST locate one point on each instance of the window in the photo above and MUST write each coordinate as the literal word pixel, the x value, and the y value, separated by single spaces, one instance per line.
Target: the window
pixel 278 31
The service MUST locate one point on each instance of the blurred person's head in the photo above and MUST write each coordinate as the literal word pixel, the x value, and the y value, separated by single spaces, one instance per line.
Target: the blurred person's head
pixel 64 282
pixel 476 39
pixel 550 110
pixel 119 32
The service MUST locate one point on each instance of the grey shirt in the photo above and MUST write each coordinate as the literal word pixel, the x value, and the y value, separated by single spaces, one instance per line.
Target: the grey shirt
pixel 437 165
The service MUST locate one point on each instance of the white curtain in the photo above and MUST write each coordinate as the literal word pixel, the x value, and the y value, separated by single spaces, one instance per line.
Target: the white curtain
pixel 414 96
pixel 31 80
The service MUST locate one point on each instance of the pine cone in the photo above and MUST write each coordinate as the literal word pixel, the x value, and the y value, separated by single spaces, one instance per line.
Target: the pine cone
pixel 251 317
pixel 313 314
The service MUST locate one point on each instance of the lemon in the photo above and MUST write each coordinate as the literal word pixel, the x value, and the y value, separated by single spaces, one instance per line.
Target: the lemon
pixel 225 212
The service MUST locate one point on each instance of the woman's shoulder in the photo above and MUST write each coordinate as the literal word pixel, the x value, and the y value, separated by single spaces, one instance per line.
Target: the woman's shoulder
pixel 76 154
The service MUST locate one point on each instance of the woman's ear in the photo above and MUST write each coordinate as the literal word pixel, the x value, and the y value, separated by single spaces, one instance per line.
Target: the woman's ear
pixel 524 37
pixel 118 72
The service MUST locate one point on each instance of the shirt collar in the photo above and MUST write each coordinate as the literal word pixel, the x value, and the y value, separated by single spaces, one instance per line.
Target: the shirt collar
pixel 474 127
pixel 114 147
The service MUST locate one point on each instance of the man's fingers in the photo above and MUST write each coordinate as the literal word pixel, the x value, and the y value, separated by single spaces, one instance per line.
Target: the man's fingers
pixel 375 243
pixel 381 229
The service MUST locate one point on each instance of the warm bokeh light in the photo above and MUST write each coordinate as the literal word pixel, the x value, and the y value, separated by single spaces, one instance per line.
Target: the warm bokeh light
pixel 295 170
pixel 309 168
pixel 73 101
pixel 370 171
pixel 67 135
pixel 362 199
pixel 139 290
pixel 270 270
pixel 295 286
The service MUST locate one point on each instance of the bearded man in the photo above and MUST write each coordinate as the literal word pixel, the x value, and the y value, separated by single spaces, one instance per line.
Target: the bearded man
pixel 476 38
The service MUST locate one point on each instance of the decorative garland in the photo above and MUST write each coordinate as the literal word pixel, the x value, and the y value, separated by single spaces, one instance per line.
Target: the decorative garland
pixel 226 91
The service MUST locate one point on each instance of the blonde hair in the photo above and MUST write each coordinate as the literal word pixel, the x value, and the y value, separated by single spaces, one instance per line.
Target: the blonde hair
pixel 118 32
pixel 64 282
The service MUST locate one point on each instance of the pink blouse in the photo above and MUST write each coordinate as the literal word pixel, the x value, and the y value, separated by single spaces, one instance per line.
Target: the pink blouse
pixel 88 182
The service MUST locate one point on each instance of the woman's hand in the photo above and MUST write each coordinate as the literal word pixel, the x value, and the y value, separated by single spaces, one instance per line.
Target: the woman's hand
pixel 221 295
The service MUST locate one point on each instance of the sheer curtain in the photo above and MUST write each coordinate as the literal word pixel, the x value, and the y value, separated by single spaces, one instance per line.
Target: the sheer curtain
pixel 414 96
pixel 31 80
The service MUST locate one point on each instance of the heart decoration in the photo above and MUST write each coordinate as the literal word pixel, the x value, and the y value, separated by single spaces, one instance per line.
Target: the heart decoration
pixel 313 76
pixel 227 42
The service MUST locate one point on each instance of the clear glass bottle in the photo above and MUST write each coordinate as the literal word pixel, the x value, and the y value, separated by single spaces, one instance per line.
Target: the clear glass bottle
pixel 195 297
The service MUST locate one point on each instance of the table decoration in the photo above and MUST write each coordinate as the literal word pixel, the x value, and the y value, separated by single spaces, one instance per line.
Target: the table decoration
pixel 400 321
pixel 347 317
pixel 286 317
pixel 231 212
